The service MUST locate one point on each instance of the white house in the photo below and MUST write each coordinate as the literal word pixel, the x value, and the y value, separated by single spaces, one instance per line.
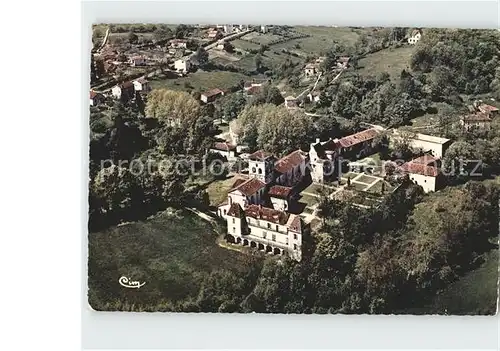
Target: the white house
pixel 224 149
pixel 211 95
pixel 123 91
pixel 437 146
pixel 266 229
pixel 322 157
pixel 182 65
pixel 415 36
pixel 178 44
pixel 137 61
pixel 141 84
pixel 243 192
pixel 424 171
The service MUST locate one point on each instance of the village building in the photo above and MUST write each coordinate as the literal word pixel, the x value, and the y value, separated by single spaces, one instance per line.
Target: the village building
pixel 424 171
pixel 281 197
pixel 224 149
pixel 211 95
pixel 124 91
pixel 95 98
pixel 137 61
pixel 314 96
pixel 269 190
pixel 491 111
pixel 415 36
pixel 263 29
pixel 359 144
pixel 266 229
pixel 343 62
pixel 323 156
pixel 141 84
pixel 479 120
pixel 291 169
pixel 291 102
pixel 310 70
pixel 436 146
pixel 182 65
pixel 261 165
pixel 177 44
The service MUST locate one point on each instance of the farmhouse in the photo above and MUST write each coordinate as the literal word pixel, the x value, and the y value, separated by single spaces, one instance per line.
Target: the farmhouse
pixel 480 120
pixel 415 36
pixel 224 149
pixel 211 95
pixel 310 70
pixel 343 62
pixel 141 84
pixel 123 91
pixel 182 65
pixel 424 171
pixel 291 169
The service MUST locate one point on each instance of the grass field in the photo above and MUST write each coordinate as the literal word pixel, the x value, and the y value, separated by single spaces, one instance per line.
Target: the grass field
pixel 392 61
pixel 262 39
pixel 474 293
pixel 321 39
pixel 245 45
pixel 217 190
pixel 309 200
pixel 201 80
pixel 171 254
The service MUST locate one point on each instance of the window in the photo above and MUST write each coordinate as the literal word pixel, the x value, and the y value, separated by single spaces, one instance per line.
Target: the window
pixel 233 221
pixel 253 169
pixel 295 246
pixel 234 230
pixel 425 180
pixel 273 238
pixel 225 212
pixel 260 170
pixel 287 241
pixel 295 236
pixel 249 230
pixel 268 225
pixel 264 234
pixel 276 227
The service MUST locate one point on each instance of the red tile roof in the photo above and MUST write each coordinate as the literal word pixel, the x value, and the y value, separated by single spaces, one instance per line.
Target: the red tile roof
pixel 358 138
pixel 93 94
pixel 267 214
pixel 421 166
pixel 213 92
pixel 281 192
pixel 477 117
pixel 235 210
pixel 224 146
pixel 237 183
pixel 141 80
pixel 487 108
pixel 290 161
pixel 295 223
pixel 260 155
pixel 126 85
pixel 249 187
